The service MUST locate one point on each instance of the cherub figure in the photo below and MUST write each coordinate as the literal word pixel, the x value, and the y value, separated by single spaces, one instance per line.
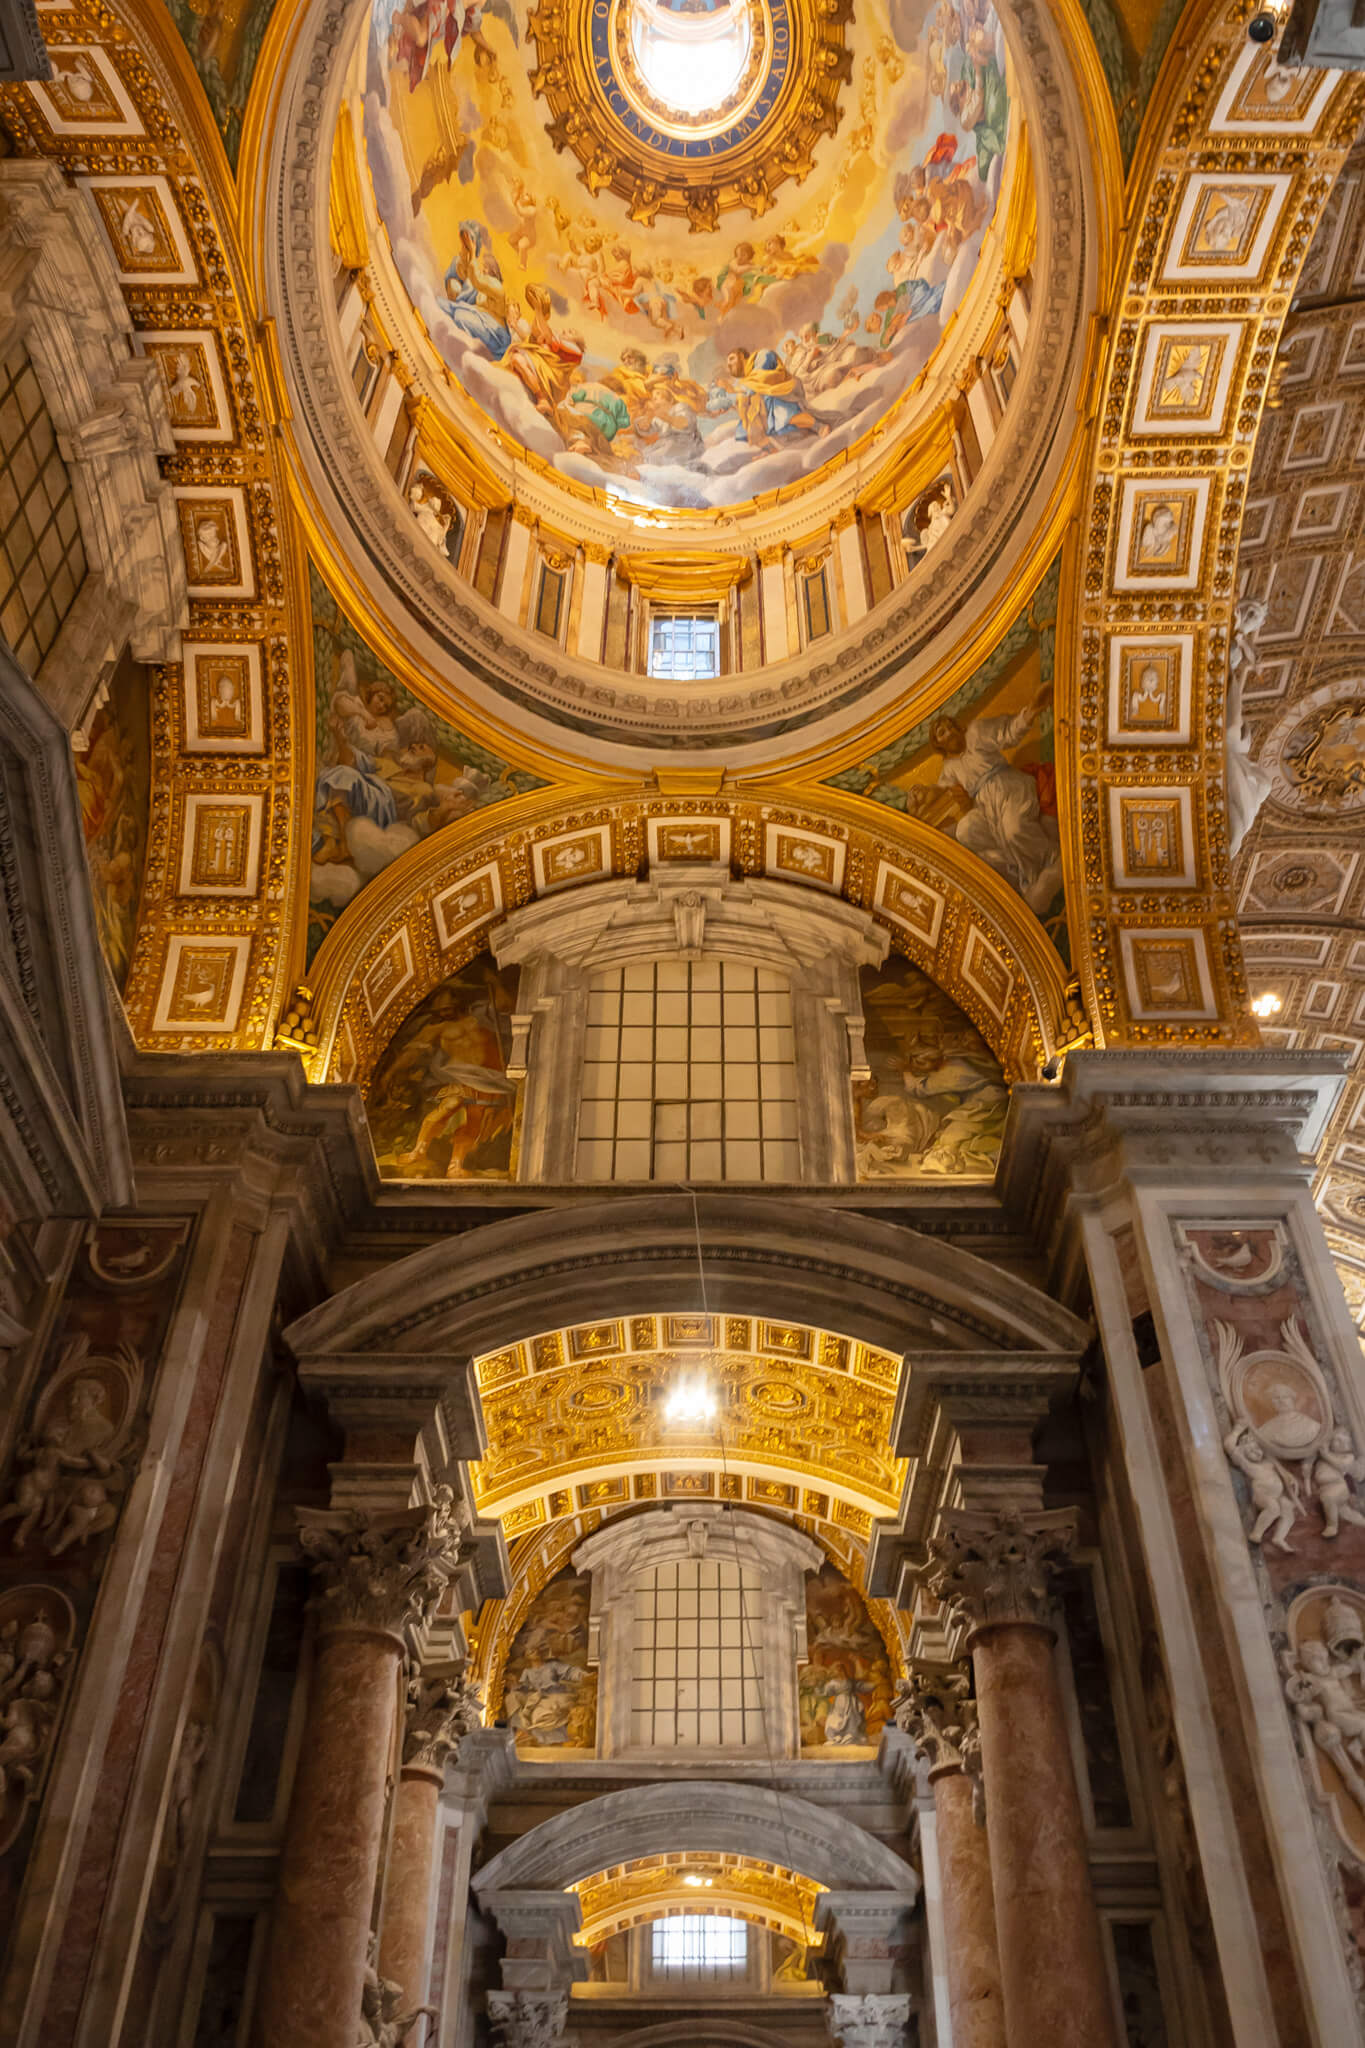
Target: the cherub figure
pixel 1328 1706
pixel 1274 1495
pixel 1335 1467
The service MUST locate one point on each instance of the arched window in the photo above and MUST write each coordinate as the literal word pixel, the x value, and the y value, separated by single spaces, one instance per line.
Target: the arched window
pixel 690 1027
pixel 697 1624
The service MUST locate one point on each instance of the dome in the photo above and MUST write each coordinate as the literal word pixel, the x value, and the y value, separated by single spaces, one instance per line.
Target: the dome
pixel 685 253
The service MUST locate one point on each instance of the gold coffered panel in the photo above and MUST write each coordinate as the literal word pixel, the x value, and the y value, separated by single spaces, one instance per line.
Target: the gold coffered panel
pixel 576 1422
pixel 742 1887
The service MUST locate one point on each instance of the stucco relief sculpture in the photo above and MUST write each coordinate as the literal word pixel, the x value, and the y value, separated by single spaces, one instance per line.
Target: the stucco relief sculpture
pixel 997 1566
pixel 1286 1440
pixel 37 1637
pixel 382 2025
pixel 75 1457
pixel 441 1711
pixel 1324 1667
pixel 381 1571
pixel 1248 781
pixel 872 2021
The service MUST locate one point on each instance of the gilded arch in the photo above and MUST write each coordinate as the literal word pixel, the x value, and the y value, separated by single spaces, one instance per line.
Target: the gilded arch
pixel 436 906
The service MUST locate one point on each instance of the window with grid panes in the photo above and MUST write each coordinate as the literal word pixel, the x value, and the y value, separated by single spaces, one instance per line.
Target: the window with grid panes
pixel 689 1073
pixel 42 561
pixel 694 1668
pixel 701 1947
pixel 685 648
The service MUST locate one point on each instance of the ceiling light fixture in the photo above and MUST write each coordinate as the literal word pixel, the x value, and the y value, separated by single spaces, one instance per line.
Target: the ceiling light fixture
pixel 690 1401
pixel 1268 1005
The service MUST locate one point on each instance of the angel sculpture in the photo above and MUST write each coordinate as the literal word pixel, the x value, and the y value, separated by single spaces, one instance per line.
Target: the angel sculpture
pixel 383 2026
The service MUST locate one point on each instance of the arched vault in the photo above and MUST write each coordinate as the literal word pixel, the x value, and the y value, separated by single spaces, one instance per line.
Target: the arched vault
pixel 1227 190
pixel 877 1282
pixel 750 1819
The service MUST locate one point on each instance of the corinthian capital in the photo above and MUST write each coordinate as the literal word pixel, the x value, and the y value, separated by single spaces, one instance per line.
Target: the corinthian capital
pixel 525 2019
pixel 932 1708
pixel 989 1566
pixel 441 1711
pixel 869 2021
pixel 380 1571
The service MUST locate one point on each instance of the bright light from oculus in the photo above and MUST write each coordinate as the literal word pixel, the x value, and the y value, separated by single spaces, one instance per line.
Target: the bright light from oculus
pixel 691 61
pixel 699 1883
pixel 1268 1005
pixel 690 1401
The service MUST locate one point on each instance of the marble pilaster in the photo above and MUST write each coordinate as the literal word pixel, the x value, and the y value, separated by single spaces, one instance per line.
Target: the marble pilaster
pixel 1173 1188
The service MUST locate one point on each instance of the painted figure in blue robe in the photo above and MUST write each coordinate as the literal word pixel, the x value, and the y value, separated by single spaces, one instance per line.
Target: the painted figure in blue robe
pixel 476 297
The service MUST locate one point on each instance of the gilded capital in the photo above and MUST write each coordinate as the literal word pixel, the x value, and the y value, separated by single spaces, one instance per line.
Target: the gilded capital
pixel 380 1571
pixel 992 1566
pixel 931 1707
pixel 441 1711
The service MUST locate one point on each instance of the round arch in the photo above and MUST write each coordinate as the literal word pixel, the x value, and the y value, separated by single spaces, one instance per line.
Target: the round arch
pixel 436 907
pixel 879 1283
pixel 749 1820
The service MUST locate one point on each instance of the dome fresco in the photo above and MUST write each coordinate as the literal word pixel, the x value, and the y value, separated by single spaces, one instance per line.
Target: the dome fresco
pixel 680 305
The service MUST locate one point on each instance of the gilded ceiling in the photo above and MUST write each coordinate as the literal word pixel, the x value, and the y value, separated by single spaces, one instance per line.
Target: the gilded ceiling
pixel 649 1887
pixel 1299 880
pixel 235 235
pixel 575 1421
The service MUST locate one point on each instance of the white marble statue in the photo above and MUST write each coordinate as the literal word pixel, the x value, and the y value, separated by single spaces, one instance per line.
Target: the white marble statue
pixel 1248 781
pixel 1274 1494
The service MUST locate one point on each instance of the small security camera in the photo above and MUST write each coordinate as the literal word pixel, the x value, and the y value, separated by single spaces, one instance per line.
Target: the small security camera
pixel 1261 28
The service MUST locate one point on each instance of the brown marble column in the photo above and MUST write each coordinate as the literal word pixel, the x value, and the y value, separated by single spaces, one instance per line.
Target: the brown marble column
pixel 993 1568
pixel 932 1708
pixel 377 1574
pixel 441 1708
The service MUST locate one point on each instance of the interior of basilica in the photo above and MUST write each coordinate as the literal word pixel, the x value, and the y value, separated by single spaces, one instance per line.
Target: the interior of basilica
pixel 682 1024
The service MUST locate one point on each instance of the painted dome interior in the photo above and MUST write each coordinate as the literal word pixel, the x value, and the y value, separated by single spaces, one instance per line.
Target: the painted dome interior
pixel 685 256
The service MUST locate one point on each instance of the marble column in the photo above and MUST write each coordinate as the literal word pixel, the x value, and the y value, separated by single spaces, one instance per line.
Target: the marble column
pixel 933 1709
pixel 378 1575
pixel 992 1568
pixel 441 1710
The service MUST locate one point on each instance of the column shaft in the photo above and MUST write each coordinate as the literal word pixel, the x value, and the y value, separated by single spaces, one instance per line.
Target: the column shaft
pixel 975 1999
pixel 1051 1963
pixel 408 1885
pixel 331 1852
